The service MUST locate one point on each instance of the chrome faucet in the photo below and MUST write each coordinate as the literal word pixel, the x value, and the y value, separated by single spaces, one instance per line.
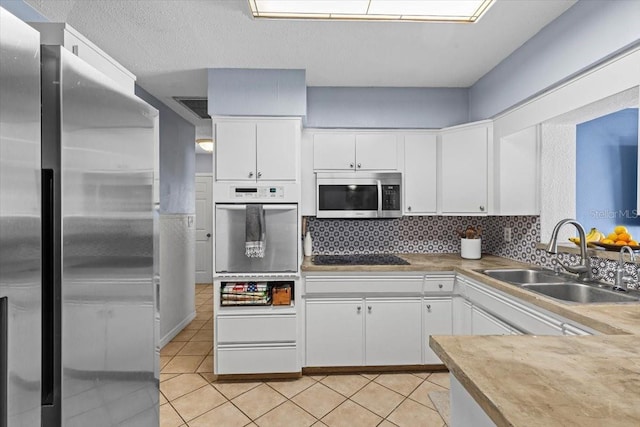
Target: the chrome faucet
pixel 583 270
pixel 622 281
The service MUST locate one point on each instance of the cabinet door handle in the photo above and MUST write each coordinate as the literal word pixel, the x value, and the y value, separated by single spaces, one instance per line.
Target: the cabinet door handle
pixel 208 234
pixel 408 208
pixel 259 174
pixel 250 174
pixel 428 307
pixel 359 309
pixel 369 308
pixel 481 208
pixel 359 165
pixel 351 165
pixel 440 285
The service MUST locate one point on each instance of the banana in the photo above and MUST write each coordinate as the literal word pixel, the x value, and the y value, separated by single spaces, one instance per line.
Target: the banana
pixel 594 235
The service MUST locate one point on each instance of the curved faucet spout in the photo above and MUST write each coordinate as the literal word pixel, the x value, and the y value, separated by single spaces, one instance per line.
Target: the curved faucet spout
pixel 621 279
pixel 583 270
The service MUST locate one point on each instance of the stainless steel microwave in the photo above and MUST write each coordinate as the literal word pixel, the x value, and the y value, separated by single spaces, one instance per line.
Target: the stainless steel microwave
pixel 359 195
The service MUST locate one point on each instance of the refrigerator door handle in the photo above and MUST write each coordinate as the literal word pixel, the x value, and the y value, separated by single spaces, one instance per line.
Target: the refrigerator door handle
pixel 4 401
pixel 48 291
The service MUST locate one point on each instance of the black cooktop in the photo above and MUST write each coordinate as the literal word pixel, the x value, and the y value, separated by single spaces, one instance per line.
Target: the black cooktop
pixel 364 259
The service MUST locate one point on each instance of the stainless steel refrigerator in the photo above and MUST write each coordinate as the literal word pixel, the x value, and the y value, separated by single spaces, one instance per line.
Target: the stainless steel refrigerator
pixel 20 274
pixel 85 342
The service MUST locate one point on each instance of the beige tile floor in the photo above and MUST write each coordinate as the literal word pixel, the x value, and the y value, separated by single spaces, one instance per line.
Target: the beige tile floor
pixel 190 397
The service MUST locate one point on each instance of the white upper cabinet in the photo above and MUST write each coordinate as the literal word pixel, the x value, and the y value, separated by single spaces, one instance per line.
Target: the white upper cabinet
pixel 236 151
pixel 464 162
pixel 276 149
pixel 517 174
pixel 334 151
pixel 262 150
pixel 348 151
pixel 376 152
pixel 420 174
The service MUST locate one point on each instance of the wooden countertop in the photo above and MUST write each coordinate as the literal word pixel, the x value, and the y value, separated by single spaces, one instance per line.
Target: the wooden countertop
pixel 539 380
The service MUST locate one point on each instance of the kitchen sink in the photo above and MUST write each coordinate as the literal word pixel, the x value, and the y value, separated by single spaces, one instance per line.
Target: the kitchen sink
pixel 580 293
pixel 561 286
pixel 525 276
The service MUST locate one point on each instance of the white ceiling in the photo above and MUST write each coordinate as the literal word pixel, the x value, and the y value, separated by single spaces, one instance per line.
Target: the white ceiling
pixel 169 44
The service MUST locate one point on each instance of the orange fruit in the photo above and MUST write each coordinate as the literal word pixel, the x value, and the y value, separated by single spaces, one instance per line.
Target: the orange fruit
pixel 620 229
pixel 607 241
pixel 612 236
pixel 624 236
pixel 620 243
pixel 632 243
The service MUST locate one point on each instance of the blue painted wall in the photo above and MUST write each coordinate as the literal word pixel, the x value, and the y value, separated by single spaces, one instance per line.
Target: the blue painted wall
pixel 204 163
pixel 177 159
pixel 257 92
pixel 606 172
pixel 386 107
pixel 23 10
pixel 582 36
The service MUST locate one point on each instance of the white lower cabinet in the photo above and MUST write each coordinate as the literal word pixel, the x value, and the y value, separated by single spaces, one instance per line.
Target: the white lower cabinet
pixel 256 329
pixel 255 339
pixel 461 316
pixel 485 324
pixel 255 359
pixel 334 332
pixel 255 343
pixel 438 320
pixel 392 332
pixel 363 331
pixel 385 320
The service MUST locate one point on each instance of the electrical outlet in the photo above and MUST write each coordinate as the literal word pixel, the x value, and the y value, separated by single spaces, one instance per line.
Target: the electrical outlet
pixel 507 234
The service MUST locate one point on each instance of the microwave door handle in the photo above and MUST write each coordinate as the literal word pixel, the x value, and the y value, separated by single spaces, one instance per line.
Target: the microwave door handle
pixel 379 183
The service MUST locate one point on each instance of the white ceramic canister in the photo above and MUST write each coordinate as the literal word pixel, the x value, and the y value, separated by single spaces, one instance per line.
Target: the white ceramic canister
pixel 308 244
pixel 471 248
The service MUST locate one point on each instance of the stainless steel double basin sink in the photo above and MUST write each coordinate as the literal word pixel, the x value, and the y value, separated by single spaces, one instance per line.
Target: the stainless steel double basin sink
pixel 562 287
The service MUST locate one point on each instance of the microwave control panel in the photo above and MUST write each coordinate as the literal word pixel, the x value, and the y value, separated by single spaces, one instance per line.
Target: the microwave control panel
pixel 259 192
pixel 391 197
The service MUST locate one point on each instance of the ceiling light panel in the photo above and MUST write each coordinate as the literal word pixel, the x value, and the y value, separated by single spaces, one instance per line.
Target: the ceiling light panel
pixel 376 10
pixel 316 7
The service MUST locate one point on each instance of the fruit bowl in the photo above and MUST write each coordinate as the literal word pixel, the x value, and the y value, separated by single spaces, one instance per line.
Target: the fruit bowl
pixel 616 248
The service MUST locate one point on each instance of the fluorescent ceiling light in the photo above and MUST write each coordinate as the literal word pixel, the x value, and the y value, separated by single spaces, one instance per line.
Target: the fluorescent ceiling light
pixel 206 144
pixel 373 10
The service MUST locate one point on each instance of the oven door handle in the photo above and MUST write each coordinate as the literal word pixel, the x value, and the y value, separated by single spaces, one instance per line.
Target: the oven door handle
pixel 266 207
pixel 379 184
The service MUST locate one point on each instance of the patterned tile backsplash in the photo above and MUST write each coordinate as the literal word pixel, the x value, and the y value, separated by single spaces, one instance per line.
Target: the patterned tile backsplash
pixel 435 234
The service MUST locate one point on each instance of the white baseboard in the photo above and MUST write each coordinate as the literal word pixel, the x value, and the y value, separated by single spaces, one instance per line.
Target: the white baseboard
pixel 175 331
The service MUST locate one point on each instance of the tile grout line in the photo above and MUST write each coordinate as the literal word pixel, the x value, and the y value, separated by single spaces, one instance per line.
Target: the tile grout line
pixel 294 403
pixel 174 408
